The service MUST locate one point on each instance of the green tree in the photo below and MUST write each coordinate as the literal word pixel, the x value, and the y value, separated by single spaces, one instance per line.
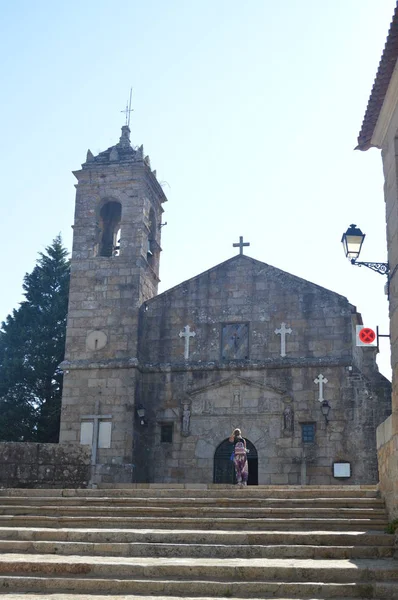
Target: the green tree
pixel 32 344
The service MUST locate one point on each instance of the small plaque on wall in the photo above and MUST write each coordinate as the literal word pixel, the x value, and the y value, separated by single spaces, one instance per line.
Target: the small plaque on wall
pixel 341 470
pixel 104 434
pixel 86 433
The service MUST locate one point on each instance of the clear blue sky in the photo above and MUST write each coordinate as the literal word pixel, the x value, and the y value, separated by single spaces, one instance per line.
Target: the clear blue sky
pixel 249 111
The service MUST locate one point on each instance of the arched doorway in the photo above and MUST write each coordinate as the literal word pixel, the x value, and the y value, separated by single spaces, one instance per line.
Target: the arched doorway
pixel 224 471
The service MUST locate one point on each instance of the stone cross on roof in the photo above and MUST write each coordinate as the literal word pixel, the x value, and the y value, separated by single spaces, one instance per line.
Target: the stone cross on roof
pixel 241 244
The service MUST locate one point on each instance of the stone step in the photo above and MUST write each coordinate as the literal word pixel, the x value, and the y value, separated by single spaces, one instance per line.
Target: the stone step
pixel 240 501
pixel 158 588
pixel 200 569
pixel 71 596
pixel 176 537
pixel 161 522
pixel 195 512
pixel 202 491
pixel 152 549
pixel 207 542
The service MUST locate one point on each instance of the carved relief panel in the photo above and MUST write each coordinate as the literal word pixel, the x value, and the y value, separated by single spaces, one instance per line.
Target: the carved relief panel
pixel 235 341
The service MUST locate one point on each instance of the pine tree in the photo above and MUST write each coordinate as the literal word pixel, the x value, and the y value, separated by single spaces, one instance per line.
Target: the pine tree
pixel 32 344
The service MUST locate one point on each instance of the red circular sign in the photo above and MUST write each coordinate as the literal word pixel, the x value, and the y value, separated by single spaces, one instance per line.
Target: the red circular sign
pixel 367 335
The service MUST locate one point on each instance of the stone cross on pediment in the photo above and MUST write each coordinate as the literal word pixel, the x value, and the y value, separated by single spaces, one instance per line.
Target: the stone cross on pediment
pixel 321 380
pixel 282 332
pixel 187 334
pixel 96 419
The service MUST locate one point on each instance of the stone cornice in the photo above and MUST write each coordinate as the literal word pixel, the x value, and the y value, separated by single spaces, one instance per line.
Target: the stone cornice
pixel 122 363
pixel 156 188
pixel 92 177
pixel 128 363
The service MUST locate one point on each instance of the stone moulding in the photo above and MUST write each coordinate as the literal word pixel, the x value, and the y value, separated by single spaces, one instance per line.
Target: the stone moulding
pixel 235 365
pixel 127 363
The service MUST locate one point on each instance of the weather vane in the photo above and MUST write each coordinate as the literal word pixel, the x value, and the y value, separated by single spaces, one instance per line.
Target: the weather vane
pixel 128 109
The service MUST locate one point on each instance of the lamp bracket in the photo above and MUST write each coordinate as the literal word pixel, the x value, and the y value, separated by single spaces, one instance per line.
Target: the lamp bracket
pixel 379 267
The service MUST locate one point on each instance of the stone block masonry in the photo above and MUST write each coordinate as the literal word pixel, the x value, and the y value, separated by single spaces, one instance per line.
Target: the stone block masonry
pixel 114 270
pixel 33 465
pixel 387 451
pixel 235 372
pixel 186 542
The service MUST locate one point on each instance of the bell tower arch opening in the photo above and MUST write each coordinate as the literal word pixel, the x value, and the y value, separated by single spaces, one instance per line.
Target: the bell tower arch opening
pixel 110 218
pixel 224 470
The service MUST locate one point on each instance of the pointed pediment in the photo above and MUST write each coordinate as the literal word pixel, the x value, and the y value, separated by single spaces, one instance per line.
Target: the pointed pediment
pixel 252 269
pixel 236 381
pixel 234 396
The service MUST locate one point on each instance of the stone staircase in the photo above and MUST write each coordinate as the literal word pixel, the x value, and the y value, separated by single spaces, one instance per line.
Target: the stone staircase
pixel 196 541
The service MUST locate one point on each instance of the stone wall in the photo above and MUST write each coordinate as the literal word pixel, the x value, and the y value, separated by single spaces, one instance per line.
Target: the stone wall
pixel 110 390
pixel 25 464
pixel 255 390
pixel 256 401
pixel 387 455
pixel 248 291
pixel 387 451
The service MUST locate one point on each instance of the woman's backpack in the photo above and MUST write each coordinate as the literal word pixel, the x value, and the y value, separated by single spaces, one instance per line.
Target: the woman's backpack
pixel 240 448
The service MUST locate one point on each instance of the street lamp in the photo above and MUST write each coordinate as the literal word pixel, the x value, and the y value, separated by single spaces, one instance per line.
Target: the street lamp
pixel 352 241
pixel 141 414
pixel 325 409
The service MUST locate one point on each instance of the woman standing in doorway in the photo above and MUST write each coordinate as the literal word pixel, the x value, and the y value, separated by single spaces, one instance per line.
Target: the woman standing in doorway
pixel 240 457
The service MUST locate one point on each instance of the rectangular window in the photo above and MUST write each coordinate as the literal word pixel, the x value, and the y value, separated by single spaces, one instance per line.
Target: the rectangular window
pixel 308 433
pixel 166 433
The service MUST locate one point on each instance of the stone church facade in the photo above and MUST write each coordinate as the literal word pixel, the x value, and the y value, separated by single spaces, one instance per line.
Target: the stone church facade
pixel 156 383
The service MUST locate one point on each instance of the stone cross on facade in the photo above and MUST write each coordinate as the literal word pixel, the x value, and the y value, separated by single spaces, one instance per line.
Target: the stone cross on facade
pixel 241 244
pixel 187 333
pixel 321 380
pixel 95 419
pixel 282 332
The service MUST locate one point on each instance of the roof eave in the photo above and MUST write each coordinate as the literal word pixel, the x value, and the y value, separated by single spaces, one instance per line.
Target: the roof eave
pixel 385 72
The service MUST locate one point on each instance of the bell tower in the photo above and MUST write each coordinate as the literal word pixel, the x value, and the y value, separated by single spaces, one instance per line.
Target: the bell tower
pixel 114 270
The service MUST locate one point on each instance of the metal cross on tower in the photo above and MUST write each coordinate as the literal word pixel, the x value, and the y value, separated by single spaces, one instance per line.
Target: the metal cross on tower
pixel 128 109
pixel 241 244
